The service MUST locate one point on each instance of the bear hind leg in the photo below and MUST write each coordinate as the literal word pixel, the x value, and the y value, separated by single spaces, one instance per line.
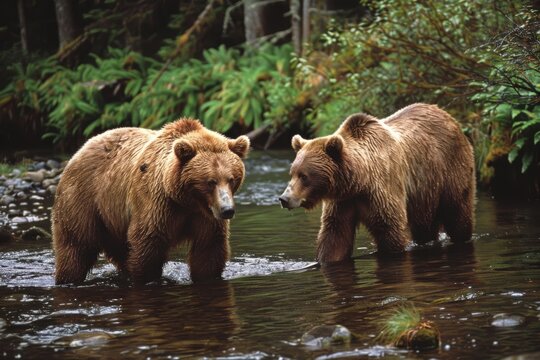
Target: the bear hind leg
pixel 458 222
pixel 425 234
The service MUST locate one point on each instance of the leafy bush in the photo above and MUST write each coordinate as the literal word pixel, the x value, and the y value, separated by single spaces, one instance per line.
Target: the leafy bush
pixel 510 92
pixel 125 88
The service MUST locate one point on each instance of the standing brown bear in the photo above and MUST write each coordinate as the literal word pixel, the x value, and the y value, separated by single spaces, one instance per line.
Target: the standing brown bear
pixel 403 177
pixel 135 193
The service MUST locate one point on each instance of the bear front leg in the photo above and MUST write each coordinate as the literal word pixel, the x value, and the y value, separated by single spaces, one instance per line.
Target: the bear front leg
pixel 147 255
pixel 338 228
pixel 209 250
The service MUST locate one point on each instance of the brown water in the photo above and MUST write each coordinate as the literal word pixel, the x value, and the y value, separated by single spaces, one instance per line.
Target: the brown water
pixel 267 300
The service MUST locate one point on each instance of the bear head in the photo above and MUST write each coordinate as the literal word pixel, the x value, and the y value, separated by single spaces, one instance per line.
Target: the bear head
pixel 313 171
pixel 207 170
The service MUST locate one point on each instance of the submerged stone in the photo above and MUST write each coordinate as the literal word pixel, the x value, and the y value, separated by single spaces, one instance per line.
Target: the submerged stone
pixel 324 336
pixel 35 233
pixel 90 339
pixel 507 320
pixel 423 337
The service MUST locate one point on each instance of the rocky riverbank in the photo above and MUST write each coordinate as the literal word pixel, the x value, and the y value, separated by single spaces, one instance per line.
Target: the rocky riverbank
pixel 26 197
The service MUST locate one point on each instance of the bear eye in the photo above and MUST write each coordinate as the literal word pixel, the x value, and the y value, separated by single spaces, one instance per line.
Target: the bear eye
pixel 303 177
pixel 212 183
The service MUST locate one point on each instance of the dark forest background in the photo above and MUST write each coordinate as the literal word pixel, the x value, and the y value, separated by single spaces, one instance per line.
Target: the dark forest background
pixel 270 68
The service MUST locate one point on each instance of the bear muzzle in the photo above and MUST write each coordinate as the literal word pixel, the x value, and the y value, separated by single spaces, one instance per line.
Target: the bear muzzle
pixel 288 201
pixel 224 207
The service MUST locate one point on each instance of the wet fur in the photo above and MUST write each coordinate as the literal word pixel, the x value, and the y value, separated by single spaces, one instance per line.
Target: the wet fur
pixel 404 177
pixel 134 193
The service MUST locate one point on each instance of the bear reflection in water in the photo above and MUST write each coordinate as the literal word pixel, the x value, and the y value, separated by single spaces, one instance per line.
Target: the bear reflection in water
pixel 404 177
pixel 135 193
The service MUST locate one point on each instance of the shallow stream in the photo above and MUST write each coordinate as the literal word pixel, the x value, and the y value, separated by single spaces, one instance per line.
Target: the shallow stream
pixel 484 297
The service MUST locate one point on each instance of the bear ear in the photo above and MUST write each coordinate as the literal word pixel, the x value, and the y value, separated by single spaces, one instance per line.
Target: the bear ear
pixel 184 151
pixel 298 142
pixel 239 146
pixel 334 147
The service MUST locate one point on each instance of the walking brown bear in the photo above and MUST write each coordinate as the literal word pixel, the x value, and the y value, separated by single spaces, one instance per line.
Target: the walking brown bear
pixel 403 177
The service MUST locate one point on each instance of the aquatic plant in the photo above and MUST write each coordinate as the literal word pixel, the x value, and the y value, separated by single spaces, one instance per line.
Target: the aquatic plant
pixel 405 328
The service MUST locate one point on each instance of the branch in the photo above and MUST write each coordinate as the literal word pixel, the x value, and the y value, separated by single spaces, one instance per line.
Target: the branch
pixel 184 38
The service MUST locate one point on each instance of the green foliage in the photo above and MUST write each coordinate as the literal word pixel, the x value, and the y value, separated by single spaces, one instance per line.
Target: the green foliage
pixel 393 59
pixel 511 90
pixel 243 95
pixel 85 100
pixel 125 88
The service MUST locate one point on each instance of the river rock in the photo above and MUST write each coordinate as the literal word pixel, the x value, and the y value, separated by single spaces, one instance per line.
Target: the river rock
pixel 48 182
pixel 21 195
pixel 16 172
pixel 7 199
pixel 39 165
pixel 23 185
pixel 324 336
pixel 90 339
pixel 35 176
pixel 52 189
pixel 11 183
pixel 507 320
pixel 53 164
pixel 35 233
pixel 3 324
pixel 19 220
pixel 14 212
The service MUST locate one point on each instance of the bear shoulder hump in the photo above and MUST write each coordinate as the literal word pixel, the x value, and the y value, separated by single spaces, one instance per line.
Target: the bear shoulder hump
pixel 356 124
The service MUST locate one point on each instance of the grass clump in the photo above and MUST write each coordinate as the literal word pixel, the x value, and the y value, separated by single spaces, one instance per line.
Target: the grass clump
pixel 405 328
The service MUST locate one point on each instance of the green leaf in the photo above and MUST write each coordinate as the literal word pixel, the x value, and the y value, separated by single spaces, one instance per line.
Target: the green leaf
pixel 537 137
pixel 526 161
pixel 512 155
pixel 519 143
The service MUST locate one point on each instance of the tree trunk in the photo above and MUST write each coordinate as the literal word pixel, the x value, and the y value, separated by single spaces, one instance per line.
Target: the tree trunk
pixel 296 24
pixel 305 21
pixel 253 20
pixel 69 21
pixel 24 28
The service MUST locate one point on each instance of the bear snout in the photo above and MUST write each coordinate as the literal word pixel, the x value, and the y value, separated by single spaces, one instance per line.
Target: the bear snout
pixel 227 212
pixel 284 200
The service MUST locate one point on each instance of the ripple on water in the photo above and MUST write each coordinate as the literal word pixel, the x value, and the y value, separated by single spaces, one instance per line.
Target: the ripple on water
pixel 35 268
pixel 27 268
pixel 260 193
pixel 375 351
pixel 238 267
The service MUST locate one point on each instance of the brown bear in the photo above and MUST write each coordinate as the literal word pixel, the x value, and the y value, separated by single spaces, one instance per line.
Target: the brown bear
pixel 133 194
pixel 403 177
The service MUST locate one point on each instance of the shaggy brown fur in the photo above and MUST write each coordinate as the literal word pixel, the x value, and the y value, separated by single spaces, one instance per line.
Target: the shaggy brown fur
pixel 134 193
pixel 403 177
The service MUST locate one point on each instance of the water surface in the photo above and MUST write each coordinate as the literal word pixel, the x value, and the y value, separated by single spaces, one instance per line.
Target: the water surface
pixel 484 297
